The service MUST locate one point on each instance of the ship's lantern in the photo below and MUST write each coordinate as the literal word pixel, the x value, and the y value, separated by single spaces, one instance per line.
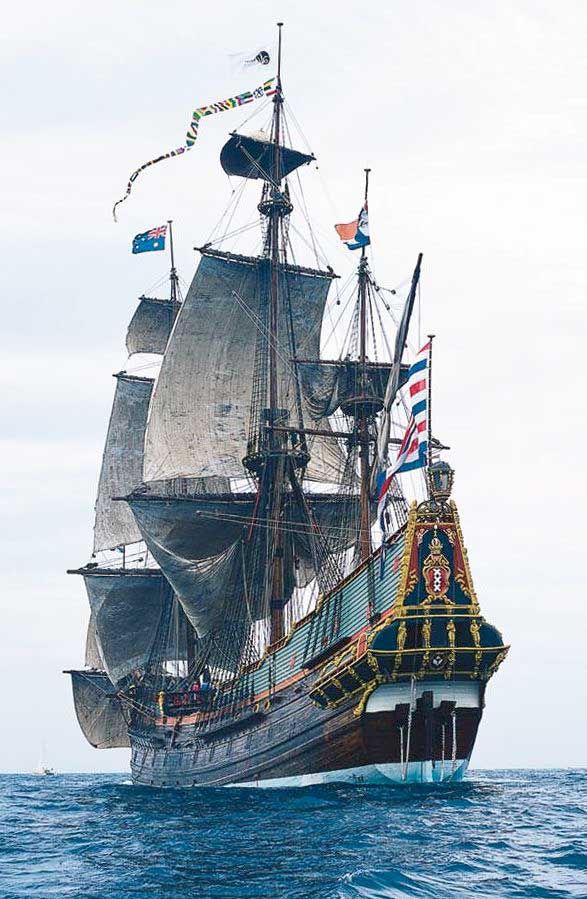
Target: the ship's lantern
pixel 440 480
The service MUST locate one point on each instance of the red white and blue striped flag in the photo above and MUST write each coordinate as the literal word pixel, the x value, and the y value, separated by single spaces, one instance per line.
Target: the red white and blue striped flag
pixel 413 451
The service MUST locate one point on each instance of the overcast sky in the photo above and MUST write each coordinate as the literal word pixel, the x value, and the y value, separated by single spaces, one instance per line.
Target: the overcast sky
pixel 472 117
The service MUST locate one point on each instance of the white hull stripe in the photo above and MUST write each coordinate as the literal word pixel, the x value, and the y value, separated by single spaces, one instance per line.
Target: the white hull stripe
pixel 390 773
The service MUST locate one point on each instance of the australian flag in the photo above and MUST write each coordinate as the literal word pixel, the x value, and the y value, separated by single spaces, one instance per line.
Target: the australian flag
pixel 150 240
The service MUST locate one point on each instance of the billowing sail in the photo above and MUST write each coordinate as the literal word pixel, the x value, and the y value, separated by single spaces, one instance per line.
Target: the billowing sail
pixel 99 711
pixel 320 387
pixel 192 528
pixel 150 326
pixel 329 386
pixel 200 411
pixel 198 545
pixel 198 542
pixel 93 659
pixel 127 608
pixel 210 590
pixel 122 462
pixel 254 157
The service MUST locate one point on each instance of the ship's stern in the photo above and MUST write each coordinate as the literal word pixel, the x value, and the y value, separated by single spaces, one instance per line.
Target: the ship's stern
pixel 419 677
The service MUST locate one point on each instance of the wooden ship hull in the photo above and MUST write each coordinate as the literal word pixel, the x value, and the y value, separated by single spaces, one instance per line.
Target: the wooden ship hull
pixel 397 700
pixel 296 745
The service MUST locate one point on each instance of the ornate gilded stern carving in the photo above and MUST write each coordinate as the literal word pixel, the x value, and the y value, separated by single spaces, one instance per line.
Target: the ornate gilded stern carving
pixel 462 571
pixel 400 643
pixel 452 656
pixel 476 635
pixel 436 573
pixel 433 629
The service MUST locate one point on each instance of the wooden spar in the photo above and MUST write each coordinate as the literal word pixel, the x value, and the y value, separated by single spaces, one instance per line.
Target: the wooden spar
pixel 362 423
pixel 317 432
pixel 385 366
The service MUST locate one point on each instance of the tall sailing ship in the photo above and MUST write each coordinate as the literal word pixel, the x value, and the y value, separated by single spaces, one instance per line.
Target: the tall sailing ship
pixel 267 607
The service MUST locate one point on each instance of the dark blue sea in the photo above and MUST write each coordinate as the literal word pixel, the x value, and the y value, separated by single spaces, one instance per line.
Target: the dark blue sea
pixel 500 833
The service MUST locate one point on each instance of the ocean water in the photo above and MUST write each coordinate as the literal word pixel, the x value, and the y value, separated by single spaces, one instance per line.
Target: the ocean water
pixel 500 833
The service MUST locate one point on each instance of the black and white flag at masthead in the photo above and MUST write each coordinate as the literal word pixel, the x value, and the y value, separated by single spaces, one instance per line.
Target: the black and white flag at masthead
pixel 258 56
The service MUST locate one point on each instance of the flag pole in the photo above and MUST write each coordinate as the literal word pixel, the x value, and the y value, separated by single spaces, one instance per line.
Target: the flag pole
pixel 429 443
pixel 173 273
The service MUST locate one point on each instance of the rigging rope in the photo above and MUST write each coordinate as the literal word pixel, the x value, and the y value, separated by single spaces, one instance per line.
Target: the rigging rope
pixel 410 712
pixel 454 742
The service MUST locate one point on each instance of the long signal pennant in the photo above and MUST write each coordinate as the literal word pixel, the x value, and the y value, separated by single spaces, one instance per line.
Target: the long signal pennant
pixel 267 89
pixel 413 451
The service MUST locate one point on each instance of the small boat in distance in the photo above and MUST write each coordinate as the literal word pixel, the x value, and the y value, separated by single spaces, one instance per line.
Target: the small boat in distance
pixel 43 771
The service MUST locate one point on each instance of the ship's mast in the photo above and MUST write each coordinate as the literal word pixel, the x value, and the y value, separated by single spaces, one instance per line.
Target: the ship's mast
pixel 275 208
pixel 275 213
pixel 362 409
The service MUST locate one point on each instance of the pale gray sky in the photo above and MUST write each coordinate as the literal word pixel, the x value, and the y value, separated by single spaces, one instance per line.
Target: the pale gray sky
pixel 473 119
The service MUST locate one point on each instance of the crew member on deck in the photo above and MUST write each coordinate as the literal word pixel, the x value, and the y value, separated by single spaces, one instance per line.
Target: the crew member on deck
pixel 206 687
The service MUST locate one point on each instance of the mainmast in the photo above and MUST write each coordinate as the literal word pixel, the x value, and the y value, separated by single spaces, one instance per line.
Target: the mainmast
pixel 362 407
pixel 275 211
pixel 274 467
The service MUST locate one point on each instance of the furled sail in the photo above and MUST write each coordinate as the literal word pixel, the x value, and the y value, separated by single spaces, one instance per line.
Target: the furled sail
pixel 150 326
pixel 200 411
pixel 185 487
pixel 122 462
pixel 127 608
pixel 93 659
pixel 254 157
pixel 99 710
